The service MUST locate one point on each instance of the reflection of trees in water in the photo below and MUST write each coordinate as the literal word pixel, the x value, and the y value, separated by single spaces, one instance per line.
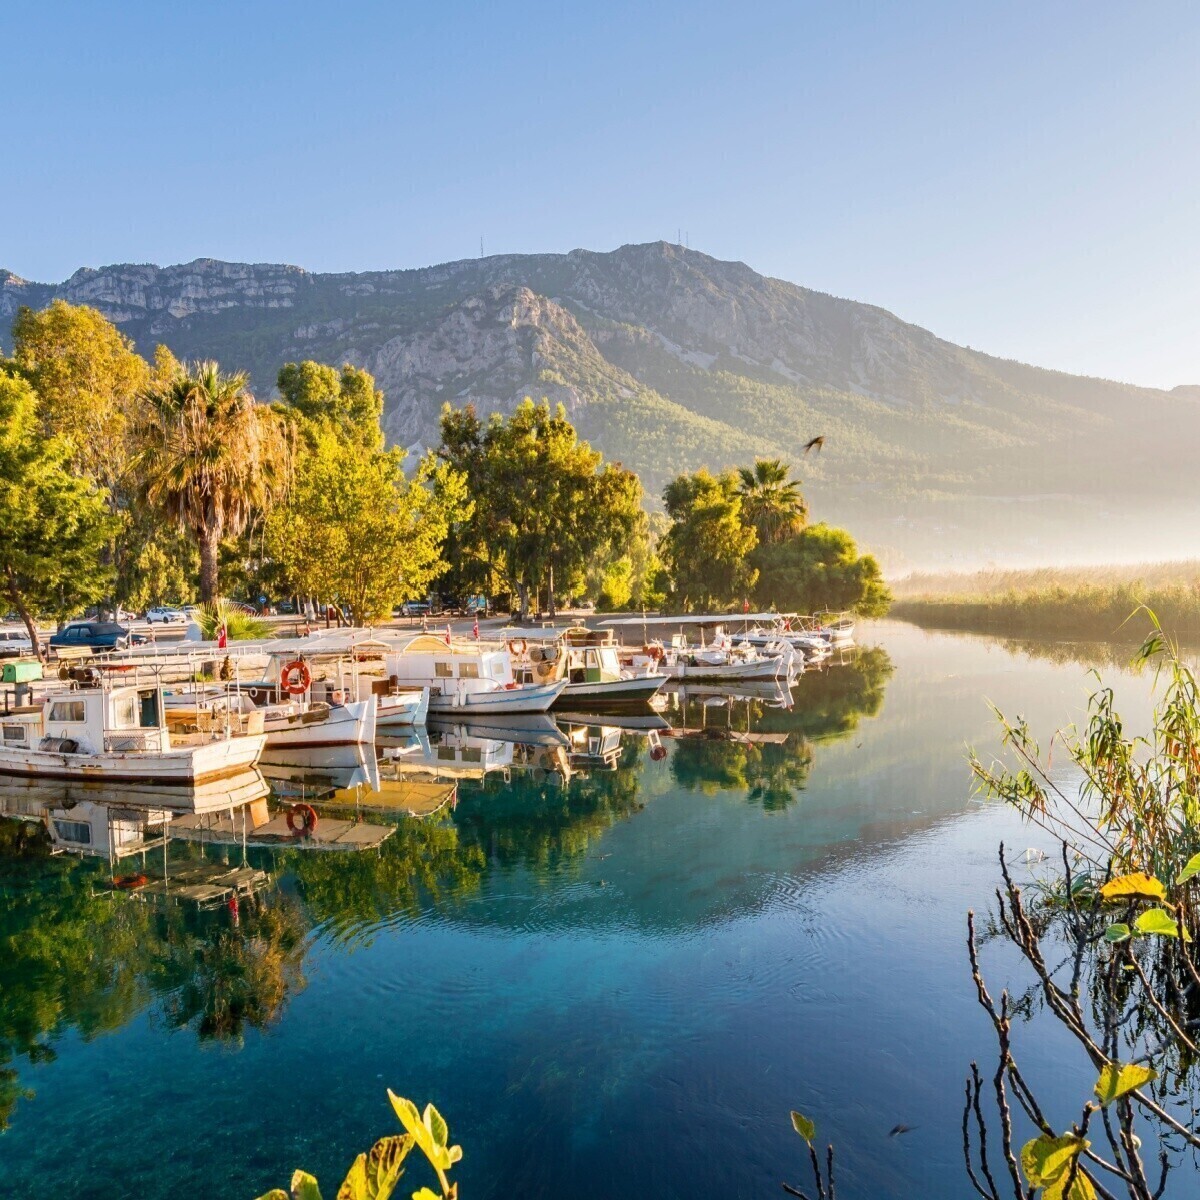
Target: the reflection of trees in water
pixel 423 862
pixel 533 822
pixel 76 956
pixel 827 705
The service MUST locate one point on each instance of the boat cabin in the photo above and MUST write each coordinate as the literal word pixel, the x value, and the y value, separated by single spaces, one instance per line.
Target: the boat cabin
pixel 89 721
pixel 427 661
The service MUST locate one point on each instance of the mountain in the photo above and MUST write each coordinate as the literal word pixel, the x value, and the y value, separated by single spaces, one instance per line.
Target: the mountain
pixel 668 359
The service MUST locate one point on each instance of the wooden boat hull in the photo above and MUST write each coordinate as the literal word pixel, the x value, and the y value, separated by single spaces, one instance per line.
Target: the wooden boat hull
pixel 344 725
pixel 767 668
pixel 528 698
pixel 402 709
pixel 637 690
pixel 183 766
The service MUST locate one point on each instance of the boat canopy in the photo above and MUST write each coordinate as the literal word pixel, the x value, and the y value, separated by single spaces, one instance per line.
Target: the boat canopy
pixel 734 618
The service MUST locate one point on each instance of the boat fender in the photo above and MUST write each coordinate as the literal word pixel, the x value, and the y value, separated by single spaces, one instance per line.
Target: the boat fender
pixel 296 678
pixel 518 646
pixel 302 819
pixel 508 687
pixel 658 753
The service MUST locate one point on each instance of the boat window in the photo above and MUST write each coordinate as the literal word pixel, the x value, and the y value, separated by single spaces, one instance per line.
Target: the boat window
pixel 14 733
pixel 446 754
pixel 443 670
pixel 124 712
pixel 472 754
pixel 67 710
pixel 468 670
pixel 148 710
pixel 79 832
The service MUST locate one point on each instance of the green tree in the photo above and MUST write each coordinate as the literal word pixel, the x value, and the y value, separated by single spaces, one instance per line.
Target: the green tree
pixel 88 378
pixel 771 502
pixel 210 457
pixel 355 530
pixel 820 568
pixel 348 399
pixel 54 524
pixel 546 503
pixel 707 545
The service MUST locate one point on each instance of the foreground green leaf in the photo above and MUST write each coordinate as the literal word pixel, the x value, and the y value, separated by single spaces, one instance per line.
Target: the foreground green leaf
pixel 1157 921
pixel 1119 932
pixel 1119 1079
pixel 1192 869
pixel 804 1127
pixel 304 1187
pixel 1047 1160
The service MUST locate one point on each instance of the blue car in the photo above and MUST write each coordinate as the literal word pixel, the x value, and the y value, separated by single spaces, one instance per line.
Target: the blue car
pixel 95 635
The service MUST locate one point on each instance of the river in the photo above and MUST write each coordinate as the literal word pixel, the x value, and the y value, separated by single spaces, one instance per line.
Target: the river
pixel 615 986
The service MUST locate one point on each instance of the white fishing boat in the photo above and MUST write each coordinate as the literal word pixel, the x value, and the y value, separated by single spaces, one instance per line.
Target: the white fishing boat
pixel 587 662
pixel 402 708
pixel 116 734
pixel 467 677
pixel 722 660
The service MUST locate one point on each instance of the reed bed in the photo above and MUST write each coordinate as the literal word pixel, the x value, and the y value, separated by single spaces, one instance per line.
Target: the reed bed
pixel 1099 602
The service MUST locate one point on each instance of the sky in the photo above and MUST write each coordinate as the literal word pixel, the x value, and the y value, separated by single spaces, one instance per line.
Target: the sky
pixel 1023 178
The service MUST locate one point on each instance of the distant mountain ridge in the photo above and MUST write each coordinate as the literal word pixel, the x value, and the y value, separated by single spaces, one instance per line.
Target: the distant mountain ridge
pixel 669 359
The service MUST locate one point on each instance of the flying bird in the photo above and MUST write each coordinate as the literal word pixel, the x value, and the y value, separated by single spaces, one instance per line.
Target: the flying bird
pixel 814 444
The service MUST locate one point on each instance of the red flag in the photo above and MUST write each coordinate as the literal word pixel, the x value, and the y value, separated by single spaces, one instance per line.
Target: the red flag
pixel 223 636
pixel 745 606
pixel 475 629
pixel 447 634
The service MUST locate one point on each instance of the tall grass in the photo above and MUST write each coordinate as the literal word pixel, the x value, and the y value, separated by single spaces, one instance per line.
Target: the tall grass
pixel 1085 602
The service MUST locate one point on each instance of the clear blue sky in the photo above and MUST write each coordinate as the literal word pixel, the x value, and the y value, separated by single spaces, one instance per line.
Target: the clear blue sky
pixel 1023 178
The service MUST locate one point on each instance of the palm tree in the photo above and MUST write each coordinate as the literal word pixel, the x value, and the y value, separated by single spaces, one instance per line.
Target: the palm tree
pixel 210 457
pixel 772 502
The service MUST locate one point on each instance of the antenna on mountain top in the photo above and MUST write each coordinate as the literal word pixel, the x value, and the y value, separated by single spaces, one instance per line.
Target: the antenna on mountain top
pixel 481 245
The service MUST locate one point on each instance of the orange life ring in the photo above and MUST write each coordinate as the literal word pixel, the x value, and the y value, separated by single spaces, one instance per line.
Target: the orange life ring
pixel 127 883
pixel 518 646
pixel 307 817
pixel 299 685
pixel 655 652
pixel 658 753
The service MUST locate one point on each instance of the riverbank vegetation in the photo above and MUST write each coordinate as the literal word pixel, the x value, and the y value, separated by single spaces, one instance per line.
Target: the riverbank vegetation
pixel 127 482
pixel 1083 602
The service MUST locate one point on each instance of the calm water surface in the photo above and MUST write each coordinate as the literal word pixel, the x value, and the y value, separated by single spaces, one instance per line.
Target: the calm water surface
pixel 614 987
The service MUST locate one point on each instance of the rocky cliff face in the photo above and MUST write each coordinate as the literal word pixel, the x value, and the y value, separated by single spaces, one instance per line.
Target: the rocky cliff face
pixel 670 359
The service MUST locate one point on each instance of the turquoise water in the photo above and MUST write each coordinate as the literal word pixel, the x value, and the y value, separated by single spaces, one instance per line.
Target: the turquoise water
pixel 614 987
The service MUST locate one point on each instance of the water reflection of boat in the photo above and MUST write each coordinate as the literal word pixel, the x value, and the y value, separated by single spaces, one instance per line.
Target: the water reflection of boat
pixel 245 828
pixel 18 796
pixel 328 768
pixel 455 752
pixel 771 692
pixel 636 722
pixel 532 729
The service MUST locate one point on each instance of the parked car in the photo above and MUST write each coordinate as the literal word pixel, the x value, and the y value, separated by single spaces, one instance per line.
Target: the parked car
pixel 96 635
pixel 415 608
pixel 166 616
pixel 14 643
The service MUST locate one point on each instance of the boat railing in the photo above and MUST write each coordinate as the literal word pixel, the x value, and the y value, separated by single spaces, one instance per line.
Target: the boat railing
pixel 135 740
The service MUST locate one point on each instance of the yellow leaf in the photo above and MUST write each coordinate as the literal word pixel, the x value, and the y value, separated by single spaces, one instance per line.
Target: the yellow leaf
pixel 1117 1080
pixel 1047 1160
pixel 1138 883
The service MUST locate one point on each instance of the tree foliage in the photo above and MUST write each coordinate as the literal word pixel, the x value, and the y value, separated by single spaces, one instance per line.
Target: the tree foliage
pixel 210 457
pixel 54 524
pixel 347 400
pixel 88 378
pixel 772 502
pixel 356 531
pixel 820 569
pixel 546 503
pixel 707 546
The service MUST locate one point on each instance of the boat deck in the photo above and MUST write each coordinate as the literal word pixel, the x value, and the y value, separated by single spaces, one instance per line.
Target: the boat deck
pixel 331 833
pixel 206 885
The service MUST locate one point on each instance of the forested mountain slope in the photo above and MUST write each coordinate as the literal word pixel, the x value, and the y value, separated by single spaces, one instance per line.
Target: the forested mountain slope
pixel 669 360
